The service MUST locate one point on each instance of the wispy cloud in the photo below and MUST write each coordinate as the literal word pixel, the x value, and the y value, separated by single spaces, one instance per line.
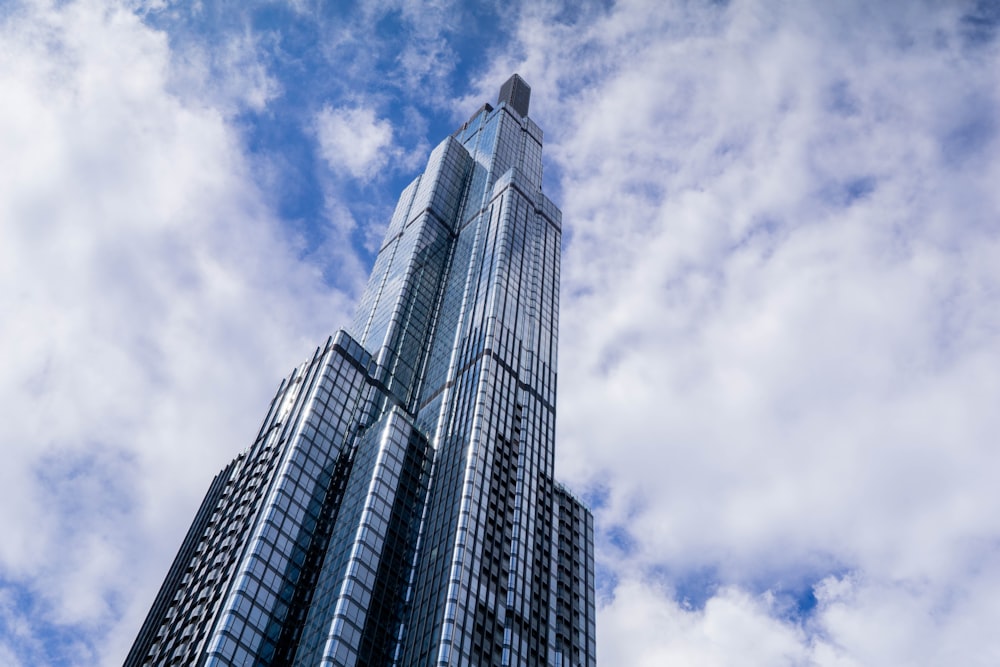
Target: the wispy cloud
pixel 779 316
pixel 779 334
pixel 141 274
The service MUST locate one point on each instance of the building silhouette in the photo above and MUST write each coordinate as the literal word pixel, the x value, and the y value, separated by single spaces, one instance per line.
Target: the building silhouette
pixel 398 505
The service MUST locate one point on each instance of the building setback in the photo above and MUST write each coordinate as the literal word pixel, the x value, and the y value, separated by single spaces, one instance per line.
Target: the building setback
pixel 398 505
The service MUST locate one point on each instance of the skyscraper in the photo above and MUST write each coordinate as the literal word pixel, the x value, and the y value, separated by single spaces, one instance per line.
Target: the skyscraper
pixel 398 505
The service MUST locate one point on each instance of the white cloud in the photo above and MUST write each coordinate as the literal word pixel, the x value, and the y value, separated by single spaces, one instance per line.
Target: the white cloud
pixel 405 42
pixel 779 333
pixel 856 622
pixel 150 303
pixel 354 140
pixel 779 317
pixel 229 77
pixel 880 623
pixel 649 630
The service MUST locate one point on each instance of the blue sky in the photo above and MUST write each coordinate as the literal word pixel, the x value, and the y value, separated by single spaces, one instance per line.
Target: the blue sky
pixel 780 314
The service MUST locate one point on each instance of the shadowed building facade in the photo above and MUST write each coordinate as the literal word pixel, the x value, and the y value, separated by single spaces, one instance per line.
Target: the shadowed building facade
pixel 398 505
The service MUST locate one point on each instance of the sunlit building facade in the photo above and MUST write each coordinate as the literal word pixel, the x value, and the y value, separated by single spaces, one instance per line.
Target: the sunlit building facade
pixel 398 506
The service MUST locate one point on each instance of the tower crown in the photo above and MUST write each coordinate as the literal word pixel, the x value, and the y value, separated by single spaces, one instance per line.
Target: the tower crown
pixel 517 93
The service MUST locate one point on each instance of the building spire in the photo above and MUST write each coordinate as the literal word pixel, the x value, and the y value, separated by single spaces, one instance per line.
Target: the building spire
pixel 516 93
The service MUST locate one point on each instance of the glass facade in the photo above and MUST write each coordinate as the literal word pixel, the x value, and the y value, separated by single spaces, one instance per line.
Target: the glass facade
pixel 398 506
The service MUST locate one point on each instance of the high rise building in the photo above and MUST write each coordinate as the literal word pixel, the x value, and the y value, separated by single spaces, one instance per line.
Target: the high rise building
pixel 398 505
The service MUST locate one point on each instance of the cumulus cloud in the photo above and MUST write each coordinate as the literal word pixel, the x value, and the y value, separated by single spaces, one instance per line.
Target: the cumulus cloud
pixel 855 622
pixel 646 628
pixel 150 303
pixel 779 311
pixel 354 140
pixel 779 333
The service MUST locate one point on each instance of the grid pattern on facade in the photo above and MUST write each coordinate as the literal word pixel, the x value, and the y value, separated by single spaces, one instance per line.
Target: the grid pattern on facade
pixel 263 593
pixel 386 617
pixel 143 650
pixel 516 93
pixel 505 316
pixel 184 627
pixel 398 506
pixel 357 611
pixel 574 627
